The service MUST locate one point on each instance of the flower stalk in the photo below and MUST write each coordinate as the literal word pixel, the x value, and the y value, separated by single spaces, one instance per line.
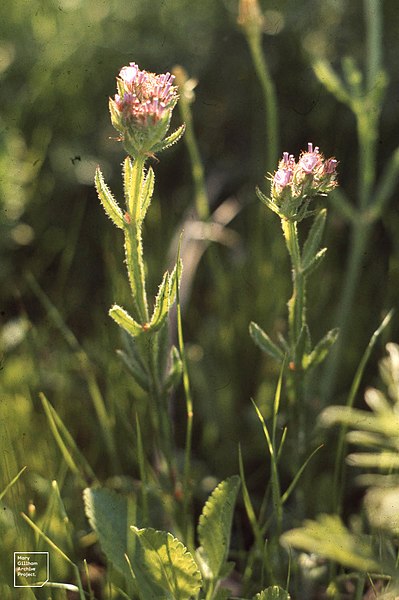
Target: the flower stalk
pixel 141 113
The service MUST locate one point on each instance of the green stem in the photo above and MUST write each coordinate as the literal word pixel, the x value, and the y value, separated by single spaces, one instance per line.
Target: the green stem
pixel 133 243
pixel 373 16
pixel 297 302
pixel 190 416
pixel 160 401
pixel 201 196
pixel 367 116
pixel 269 94
pixel 297 320
pixel 149 344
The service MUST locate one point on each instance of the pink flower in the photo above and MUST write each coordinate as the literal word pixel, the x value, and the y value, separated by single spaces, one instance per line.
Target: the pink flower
pixel 282 177
pixel 310 160
pixel 330 166
pixel 295 183
pixel 142 108
pixel 144 96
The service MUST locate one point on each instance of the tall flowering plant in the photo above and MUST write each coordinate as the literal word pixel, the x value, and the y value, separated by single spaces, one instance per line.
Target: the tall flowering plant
pixel 295 185
pixel 141 112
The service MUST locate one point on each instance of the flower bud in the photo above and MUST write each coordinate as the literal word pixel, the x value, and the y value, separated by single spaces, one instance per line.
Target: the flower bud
pixel 250 17
pixel 142 108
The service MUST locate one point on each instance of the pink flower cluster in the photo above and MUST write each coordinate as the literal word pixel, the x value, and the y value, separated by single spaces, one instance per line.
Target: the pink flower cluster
pixel 144 98
pixel 311 175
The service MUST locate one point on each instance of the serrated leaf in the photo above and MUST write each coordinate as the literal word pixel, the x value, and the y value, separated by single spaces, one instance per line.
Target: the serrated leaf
pixel 214 528
pixel 310 247
pixel 177 272
pixel 147 191
pixel 108 201
pixel 125 321
pixel 273 593
pixel 314 263
pixel 127 170
pixel 263 341
pixel 108 514
pixel 170 140
pixel 163 565
pixel 161 307
pixel 328 537
pixel 175 370
pixel 321 350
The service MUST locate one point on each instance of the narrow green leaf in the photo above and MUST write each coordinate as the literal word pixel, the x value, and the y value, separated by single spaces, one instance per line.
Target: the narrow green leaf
pixel 108 201
pixel 125 321
pixel 147 190
pixel 276 491
pixel 314 263
pixel 164 566
pixel 298 475
pixel 161 307
pixel 214 528
pixel 170 140
pixel 107 513
pixel 69 450
pixel 58 550
pixel 311 246
pixel 175 372
pixel 11 483
pixel 248 504
pixel 176 273
pixel 267 202
pixel 127 179
pixel 302 346
pixel 263 341
pixel 321 350
pixel 273 593
pixel 328 537
pixel 137 372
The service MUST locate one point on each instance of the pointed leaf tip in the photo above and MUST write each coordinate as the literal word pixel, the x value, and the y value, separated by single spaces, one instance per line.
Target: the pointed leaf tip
pixel 263 342
pixel 107 200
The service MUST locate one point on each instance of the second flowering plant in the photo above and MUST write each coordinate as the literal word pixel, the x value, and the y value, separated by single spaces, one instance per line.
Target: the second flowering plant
pixel 294 187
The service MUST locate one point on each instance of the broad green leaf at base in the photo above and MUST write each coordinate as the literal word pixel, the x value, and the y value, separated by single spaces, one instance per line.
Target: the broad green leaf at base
pixel 163 566
pixel 214 527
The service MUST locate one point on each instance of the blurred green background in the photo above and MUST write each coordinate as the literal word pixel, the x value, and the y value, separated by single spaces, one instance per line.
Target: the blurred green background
pixel 58 63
